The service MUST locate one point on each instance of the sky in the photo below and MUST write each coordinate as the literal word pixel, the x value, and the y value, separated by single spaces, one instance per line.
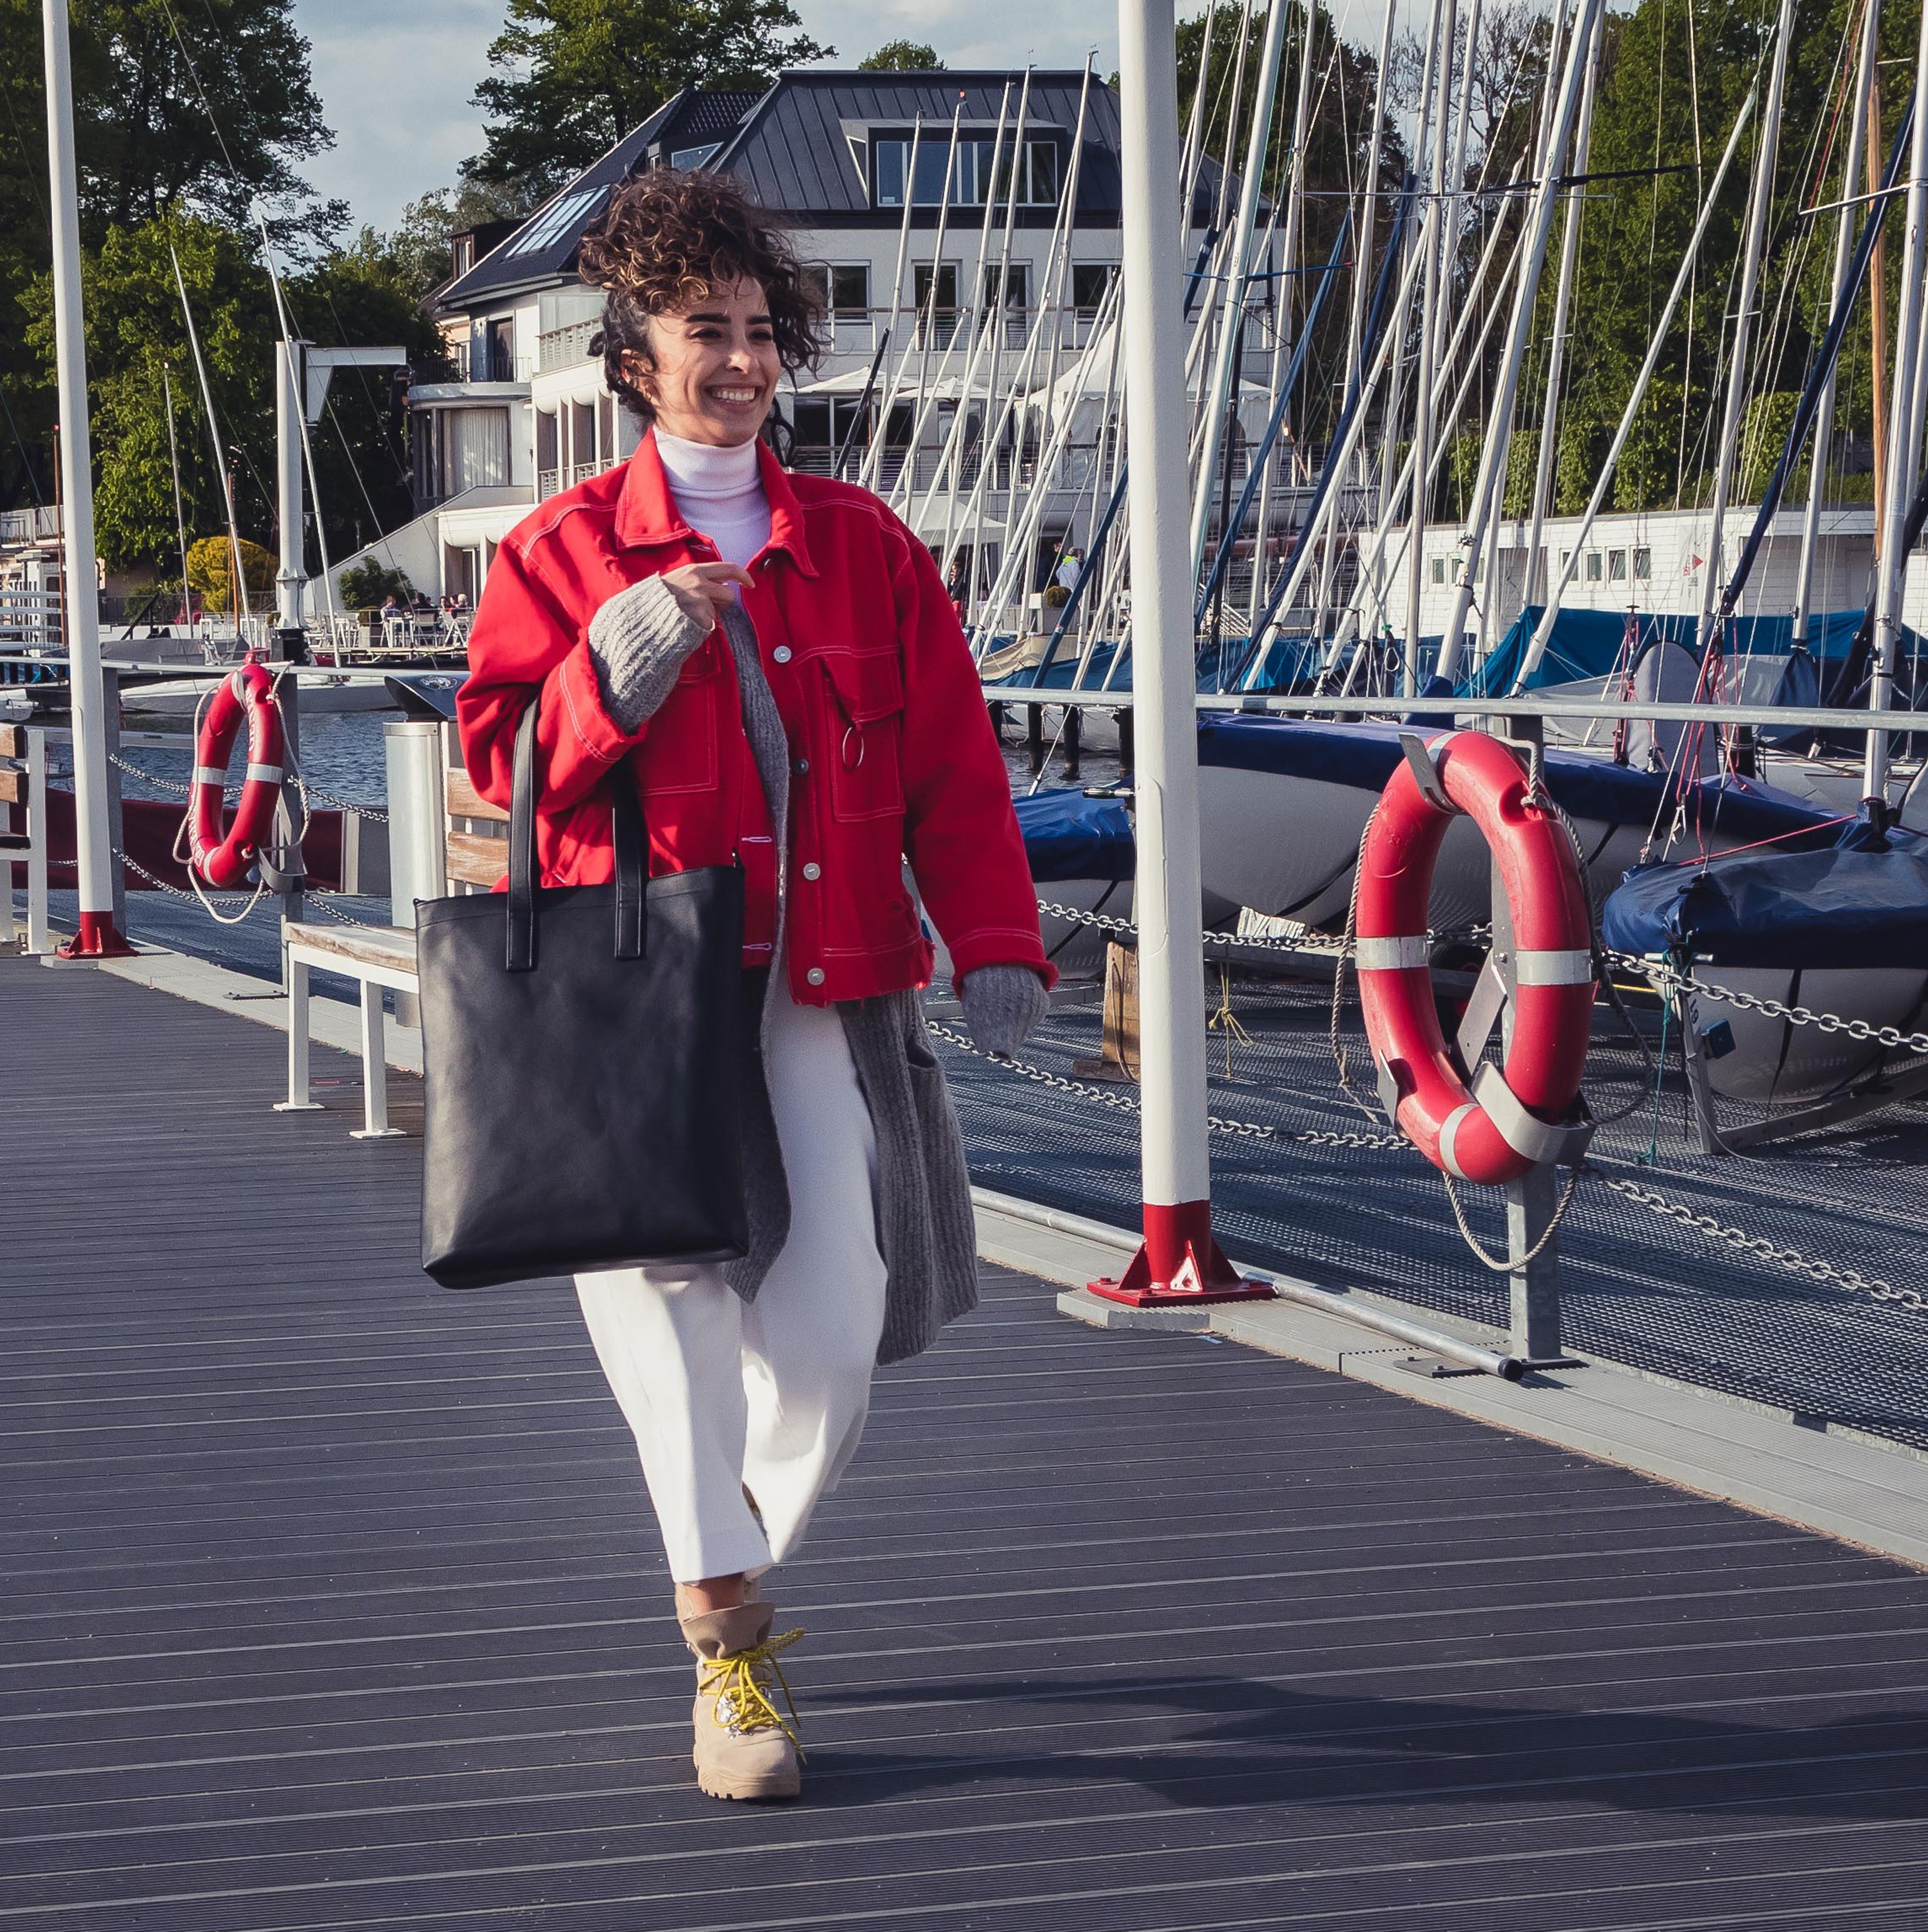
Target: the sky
pixel 395 76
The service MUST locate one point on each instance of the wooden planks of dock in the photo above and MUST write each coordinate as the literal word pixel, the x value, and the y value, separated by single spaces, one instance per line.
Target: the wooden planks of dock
pixel 333 1601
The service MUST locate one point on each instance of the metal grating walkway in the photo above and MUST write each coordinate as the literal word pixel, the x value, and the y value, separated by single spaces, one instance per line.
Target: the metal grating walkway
pixel 331 1602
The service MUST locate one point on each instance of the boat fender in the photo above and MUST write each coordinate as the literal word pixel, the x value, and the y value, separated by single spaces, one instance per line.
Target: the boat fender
pixel 1510 1117
pixel 221 853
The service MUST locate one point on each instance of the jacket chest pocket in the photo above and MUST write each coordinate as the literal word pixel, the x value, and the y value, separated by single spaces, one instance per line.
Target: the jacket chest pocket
pixel 680 749
pixel 863 707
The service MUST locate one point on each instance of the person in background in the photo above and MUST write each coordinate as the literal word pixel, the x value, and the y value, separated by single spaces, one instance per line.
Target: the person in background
pixel 955 586
pixel 1069 564
pixel 772 663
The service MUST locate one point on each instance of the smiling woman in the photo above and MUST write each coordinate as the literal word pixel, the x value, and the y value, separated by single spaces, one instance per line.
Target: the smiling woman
pixel 770 665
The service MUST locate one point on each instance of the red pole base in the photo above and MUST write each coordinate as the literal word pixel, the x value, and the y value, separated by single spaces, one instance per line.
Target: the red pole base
pixel 96 940
pixel 1178 1262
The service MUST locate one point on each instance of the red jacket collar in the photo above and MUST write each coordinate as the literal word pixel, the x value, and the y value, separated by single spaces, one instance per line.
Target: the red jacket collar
pixel 646 512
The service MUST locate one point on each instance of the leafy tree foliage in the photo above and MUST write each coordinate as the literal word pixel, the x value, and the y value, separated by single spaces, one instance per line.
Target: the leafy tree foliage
pixel 419 246
pixel 902 57
pixel 371 582
pixel 571 77
pixel 211 573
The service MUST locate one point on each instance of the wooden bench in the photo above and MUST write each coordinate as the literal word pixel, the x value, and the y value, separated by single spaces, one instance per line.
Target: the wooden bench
pixel 474 854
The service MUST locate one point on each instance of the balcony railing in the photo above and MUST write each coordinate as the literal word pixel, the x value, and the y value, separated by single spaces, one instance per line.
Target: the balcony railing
pixel 564 348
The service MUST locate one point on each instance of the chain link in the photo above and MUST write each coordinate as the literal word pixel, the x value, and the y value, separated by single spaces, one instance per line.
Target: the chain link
pixel 1827 1273
pixel 324 902
pixel 1668 978
pixel 121 764
pixel 308 784
pixel 342 805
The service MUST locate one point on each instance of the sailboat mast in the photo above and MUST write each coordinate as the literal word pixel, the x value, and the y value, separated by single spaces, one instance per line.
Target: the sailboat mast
pixel 1442 32
pixel 180 516
pixel 1758 204
pixel 97 937
pixel 1905 444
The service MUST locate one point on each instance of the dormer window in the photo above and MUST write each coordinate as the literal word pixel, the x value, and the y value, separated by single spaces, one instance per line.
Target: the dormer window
pixel 970 168
pixel 693 158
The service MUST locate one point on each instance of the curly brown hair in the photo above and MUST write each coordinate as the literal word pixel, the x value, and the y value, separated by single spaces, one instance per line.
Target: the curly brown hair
pixel 668 237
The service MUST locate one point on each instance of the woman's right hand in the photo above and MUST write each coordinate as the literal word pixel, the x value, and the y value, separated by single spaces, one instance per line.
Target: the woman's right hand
pixel 706 590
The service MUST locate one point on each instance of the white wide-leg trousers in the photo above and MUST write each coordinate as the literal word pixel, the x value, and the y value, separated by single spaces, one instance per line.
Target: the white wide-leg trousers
pixel 770 1397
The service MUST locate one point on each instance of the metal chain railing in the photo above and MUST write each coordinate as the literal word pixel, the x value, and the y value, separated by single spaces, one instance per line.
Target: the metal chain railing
pixel 1668 978
pixel 1827 1273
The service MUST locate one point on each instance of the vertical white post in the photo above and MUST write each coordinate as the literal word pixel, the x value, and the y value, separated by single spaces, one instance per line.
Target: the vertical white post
pixel 96 938
pixel 1904 444
pixel 1179 1257
pixel 38 940
pixel 288 492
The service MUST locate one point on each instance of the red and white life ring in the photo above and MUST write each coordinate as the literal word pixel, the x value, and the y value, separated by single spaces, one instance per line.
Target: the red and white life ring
pixel 1513 1116
pixel 222 853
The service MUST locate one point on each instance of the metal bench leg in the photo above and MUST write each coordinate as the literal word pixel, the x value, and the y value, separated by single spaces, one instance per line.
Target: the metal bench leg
pixel 295 973
pixel 374 1069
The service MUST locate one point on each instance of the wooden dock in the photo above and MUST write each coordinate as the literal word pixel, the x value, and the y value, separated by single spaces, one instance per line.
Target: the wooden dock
pixel 333 1601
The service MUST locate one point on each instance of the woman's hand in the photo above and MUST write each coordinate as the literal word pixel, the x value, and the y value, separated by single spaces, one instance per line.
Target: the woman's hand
pixel 706 590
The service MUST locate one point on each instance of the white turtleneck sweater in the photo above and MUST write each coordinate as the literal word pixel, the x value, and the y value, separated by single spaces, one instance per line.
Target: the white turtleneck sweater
pixel 720 493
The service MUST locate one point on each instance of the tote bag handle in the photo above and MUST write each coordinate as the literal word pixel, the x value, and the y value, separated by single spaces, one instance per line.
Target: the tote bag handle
pixel 631 846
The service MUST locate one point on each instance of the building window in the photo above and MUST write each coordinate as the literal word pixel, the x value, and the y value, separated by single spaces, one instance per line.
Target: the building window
pixel 943 312
pixel 842 290
pixel 1015 278
pixel 456 450
pixel 1643 563
pixel 1593 566
pixel 501 352
pixel 1090 281
pixel 822 422
pixel 970 168
pixel 693 158
pixel 463 254
pixel 1616 566
pixel 551 224
pixel 1439 570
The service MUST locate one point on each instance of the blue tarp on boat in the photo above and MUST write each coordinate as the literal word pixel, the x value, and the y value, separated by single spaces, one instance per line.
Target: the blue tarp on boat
pixel 1846 906
pixel 1364 756
pixel 1069 836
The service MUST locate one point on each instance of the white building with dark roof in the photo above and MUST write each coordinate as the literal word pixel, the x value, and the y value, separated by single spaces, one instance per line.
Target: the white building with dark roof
pixel 830 154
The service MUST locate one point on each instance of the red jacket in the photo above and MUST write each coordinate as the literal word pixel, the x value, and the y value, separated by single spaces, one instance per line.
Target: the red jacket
pixel 891 750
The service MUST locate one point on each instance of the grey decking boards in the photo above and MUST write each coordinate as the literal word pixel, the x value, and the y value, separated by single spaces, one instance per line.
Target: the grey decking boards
pixel 331 1601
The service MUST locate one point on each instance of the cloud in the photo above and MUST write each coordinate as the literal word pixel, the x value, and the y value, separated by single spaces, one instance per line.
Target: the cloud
pixel 395 78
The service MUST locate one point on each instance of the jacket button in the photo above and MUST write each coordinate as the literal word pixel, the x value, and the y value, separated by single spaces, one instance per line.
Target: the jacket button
pixel 815 975
pixel 813 870
pixel 802 766
pixel 781 654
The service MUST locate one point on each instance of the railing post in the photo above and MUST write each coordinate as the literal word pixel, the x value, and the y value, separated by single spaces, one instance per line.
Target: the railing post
pixel 1179 1260
pixel 1533 1276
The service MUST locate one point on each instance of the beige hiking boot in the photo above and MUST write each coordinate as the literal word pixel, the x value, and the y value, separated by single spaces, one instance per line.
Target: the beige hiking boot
pixel 744 1748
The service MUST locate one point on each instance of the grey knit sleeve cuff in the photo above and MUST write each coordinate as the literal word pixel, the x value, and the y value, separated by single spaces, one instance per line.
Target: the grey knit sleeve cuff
pixel 1001 1006
pixel 640 640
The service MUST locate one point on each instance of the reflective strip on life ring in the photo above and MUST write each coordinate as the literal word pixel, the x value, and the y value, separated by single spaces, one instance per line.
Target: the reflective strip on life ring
pixel 1552 999
pixel 221 853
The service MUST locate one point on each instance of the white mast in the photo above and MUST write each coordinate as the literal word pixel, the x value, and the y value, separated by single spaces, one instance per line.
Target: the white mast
pixel 1758 204
pixel 1824 414
pixel 1490 485
pixel 96 938
pixel 1178 1253
pixel 1442 31
pixel 1556 358
pixel 1905 435
pixel 1237 266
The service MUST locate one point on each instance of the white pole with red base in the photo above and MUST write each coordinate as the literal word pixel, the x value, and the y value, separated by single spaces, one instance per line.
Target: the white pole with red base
pixel 97 937
pixel 1179 1262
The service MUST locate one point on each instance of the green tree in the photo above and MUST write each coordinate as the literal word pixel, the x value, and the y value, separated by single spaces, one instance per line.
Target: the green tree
pixel 902 57
pixel 210 573
pixel 419 245
pixel 370 583
pixel 147 144
pixel 571 77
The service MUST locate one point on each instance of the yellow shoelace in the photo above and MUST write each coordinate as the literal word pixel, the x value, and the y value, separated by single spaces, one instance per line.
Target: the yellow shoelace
pixel 743 1678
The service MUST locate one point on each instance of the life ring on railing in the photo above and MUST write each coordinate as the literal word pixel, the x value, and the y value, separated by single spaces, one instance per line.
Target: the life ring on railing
pixel 1511 1118
pixel 222 853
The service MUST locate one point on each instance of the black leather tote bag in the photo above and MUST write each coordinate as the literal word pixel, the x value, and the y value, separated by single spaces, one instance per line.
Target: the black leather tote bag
pixel 580 1046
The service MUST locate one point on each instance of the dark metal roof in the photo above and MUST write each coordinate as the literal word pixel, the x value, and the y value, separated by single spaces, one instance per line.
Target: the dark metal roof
pixel 794 155
pixel 791 148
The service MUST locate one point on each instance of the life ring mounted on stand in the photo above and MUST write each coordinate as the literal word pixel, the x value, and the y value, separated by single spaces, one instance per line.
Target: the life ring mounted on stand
pixel 221 853
pixel 1506 1119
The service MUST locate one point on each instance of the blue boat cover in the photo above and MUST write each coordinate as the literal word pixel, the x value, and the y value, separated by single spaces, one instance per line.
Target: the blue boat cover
pixel 1735 811
pixel 1069 836
pixel 1843 907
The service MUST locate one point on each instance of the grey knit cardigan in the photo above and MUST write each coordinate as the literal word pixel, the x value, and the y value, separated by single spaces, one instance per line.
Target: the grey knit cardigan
pixel 925 1230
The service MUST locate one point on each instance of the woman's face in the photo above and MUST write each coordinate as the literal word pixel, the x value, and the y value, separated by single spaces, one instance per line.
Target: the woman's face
pixel 713 373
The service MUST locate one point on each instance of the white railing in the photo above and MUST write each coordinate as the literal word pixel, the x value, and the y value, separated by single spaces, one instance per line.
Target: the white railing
pixel 39 524
pixel 31 764
pixel 563 348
